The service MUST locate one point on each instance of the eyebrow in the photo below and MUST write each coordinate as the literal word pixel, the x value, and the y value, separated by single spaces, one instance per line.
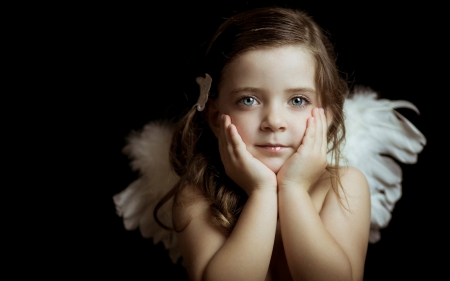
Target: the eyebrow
pixel 293 90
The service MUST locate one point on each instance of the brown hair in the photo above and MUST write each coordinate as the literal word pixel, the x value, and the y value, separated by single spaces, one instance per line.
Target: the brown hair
pixel 194 152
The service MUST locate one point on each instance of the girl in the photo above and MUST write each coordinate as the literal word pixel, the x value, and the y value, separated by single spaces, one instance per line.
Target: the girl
pixel 260 191
pixel 267 207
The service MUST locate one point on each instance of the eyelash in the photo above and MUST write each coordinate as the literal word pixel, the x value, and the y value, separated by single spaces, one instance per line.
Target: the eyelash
pixel 241 100
pixel 304 104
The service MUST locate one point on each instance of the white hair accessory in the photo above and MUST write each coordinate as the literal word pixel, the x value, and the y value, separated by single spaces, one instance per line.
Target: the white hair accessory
pixel 205 85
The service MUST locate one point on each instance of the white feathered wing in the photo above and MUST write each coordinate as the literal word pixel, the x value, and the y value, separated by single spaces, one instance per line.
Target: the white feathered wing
pixel 149 154
pixel 375 133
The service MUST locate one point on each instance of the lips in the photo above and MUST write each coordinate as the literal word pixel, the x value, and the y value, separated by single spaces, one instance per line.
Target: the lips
pixel 273 147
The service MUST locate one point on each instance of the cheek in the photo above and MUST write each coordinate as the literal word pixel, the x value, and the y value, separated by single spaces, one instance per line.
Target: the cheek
pixel 298 128
pixel 298 134
pixel 245 125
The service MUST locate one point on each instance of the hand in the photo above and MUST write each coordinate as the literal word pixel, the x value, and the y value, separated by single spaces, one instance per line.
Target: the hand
pixel 306 165
pixel 244 169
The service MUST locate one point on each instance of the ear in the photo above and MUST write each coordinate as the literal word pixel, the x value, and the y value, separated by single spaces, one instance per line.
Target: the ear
pixel 213 117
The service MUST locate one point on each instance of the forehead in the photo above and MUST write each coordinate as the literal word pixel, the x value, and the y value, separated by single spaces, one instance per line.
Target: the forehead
pixel 275 68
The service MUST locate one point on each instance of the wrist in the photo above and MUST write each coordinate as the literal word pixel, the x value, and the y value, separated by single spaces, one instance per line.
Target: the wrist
pixel 269 190
pixel 286 185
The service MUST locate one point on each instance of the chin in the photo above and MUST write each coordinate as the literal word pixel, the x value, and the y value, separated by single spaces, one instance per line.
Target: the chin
pixel 275 166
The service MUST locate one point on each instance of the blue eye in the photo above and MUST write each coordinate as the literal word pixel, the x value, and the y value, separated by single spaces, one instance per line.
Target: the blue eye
pixel 248 101
pixel 298 101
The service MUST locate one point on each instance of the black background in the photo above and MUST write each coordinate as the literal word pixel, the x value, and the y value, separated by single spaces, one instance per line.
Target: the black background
pixel 124 65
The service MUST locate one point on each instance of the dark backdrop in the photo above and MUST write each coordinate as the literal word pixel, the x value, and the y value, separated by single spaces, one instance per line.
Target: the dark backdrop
pixel 130 61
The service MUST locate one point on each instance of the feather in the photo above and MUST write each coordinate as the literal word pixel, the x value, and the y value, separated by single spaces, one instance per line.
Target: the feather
pixel 377 134
pixel 148 150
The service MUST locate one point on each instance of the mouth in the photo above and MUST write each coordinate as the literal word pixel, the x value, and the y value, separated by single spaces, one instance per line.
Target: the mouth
pixel 273 147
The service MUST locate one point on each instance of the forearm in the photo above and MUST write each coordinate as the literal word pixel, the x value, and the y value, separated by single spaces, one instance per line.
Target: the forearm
pixel 311 251
pixel 247 251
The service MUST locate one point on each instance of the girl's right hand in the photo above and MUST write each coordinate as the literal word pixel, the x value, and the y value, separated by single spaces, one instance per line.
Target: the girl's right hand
pixel 244 169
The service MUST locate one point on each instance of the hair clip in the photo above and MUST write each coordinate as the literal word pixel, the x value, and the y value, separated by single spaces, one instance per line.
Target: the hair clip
pixel 205 85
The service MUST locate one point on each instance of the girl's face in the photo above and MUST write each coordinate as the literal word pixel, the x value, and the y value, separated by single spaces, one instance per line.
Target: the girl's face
pixel 269 95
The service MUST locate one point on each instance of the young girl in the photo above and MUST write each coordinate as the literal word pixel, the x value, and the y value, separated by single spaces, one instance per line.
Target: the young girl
pixel 260 191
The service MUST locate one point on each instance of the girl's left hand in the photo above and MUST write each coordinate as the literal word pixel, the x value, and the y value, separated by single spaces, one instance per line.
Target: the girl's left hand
pixel 306 165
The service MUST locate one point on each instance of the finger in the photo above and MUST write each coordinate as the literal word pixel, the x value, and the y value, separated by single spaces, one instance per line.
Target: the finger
pixel 308 139
pixel 226 125
pixel 225 122
pixel 222 139
pixel 319 129
pixel 236 141
pixel 229 145
pixel 225 138
pixel 325 131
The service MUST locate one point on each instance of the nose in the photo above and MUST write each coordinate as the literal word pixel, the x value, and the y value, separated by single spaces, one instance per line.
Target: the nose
pixel 273 119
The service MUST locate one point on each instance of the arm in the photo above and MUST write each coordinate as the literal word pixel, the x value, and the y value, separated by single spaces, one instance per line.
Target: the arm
pixel 332 244
pixel 245 254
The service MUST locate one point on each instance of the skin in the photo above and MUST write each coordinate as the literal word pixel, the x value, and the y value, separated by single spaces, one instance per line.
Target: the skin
pixel 272 141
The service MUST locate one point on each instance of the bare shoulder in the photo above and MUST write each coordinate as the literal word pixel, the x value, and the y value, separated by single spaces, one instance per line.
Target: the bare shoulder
pixel 353 194
pixel 354 189
pixel 351 172
pixel 189 203
pixel 198 235
pixel 354 182
pixel 356 192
